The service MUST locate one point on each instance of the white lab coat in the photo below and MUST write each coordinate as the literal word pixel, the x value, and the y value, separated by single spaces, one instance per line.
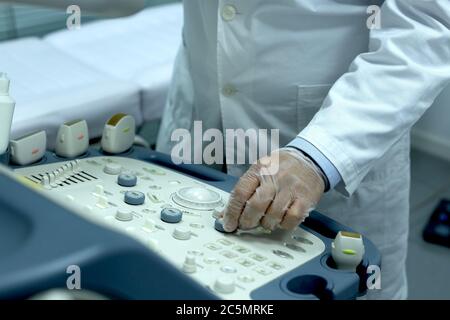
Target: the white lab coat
pixel 278 64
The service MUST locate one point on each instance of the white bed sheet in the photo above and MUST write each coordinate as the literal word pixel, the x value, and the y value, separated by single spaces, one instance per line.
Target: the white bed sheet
pixel 140 49
pixel 50 88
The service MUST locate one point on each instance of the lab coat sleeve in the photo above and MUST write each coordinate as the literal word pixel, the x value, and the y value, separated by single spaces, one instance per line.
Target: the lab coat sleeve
pixel 385 90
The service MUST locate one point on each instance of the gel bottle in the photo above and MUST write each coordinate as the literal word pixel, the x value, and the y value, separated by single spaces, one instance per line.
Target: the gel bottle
pixel 7 105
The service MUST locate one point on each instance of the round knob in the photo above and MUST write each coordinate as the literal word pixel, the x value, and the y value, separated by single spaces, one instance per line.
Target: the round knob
pixel 189 265
pixel 112 168
pixel 171 215
pixel 218 225
pixel 181 233
pixel 127 180
pixel 124 215
pixel 197 198
pixel 224 284
pixel 134 198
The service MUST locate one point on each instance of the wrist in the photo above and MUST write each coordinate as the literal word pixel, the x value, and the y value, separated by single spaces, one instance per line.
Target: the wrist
pixel 300 155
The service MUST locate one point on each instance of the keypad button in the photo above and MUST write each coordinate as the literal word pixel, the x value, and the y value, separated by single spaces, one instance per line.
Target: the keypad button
pixel 154 198
pixel 197 225
pixel 246 278
pixel 211 260
pixel 225 242
pixel 196 253
pixel 241 249
pixel 258 257
pixel 213 246
pixel 245 262
pixel 228 269
pixel 282 254
pixel 275 265
pixel 262 271
pixel 294 247
pixel 229 254
pixel 302 239
pixel 154 171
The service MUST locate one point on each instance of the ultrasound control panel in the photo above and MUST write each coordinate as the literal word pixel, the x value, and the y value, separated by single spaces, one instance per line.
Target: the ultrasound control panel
pixel 174 215
pixel 141 227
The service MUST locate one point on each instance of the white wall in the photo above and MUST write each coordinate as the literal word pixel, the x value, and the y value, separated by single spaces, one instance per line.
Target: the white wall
pixel 432 133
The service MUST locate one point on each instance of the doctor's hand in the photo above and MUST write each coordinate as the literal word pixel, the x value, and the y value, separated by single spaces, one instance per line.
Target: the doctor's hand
pixel 280 190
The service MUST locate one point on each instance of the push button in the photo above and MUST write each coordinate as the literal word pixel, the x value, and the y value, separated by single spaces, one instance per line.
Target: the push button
pixel 224 284
pixel 245 262
pixel 134 198
pixel 127 180
pixel 124 215
pixel 228 12
pixel 171 215
pixel 181 233
pixel 189 265
pixel 218 225
pixel 258 257
pixel 229 254
pixel 262 271
pixel 213 246
pixel 112 168
pixel 228 90
pixel 246 278
pixel 228 269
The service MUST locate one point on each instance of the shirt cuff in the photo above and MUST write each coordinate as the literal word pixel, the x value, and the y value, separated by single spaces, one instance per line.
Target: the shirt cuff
pixel 328 168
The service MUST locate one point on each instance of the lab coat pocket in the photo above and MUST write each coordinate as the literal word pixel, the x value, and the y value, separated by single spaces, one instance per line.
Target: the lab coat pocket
pixel 309 101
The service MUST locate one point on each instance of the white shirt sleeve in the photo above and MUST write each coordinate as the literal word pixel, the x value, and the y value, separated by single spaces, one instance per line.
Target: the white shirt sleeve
pixel 385 90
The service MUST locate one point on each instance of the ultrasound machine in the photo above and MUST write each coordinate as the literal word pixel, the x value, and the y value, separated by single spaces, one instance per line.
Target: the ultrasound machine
pixel 137 226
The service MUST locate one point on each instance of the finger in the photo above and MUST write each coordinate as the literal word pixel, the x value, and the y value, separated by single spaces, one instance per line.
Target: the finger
pixel 295 215
pixel 243 191
pixel 277 210
pixel 256 206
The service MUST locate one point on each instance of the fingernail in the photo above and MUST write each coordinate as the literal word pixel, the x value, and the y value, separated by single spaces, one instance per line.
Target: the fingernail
pixel 228 226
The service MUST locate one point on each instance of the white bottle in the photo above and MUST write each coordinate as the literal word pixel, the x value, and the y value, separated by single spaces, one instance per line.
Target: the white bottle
pixel 7 105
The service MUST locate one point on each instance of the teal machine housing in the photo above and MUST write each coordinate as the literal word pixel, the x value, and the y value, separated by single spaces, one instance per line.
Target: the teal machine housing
pixel 39 239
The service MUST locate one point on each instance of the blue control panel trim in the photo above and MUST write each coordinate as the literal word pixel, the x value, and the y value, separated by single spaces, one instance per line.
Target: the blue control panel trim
pixel 39 240
pixel 36 254
pixel 4 158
